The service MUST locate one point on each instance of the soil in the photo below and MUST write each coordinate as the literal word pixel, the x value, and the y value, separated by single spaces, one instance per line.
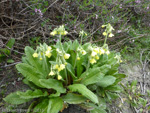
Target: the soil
pixel 74 109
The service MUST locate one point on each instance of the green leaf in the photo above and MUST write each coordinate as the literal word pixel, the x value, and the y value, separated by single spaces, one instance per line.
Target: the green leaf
pixel 92 78
pixel 133 83
pixel 84 91
pixel 41 107
pixel 29 94
pixel 13 98
pixel 29 73
pixel 32 85
pixel 10 61
pixel 111 96
pixel 72 98
pixel 106 81
pixel 55 105
pixel 98 111
pixel 103 69
pixel 119 76
pixel 57 94
pixel 54 84
pixel 102 103
pixel 71 70
pixel 35 62
pixel 10 43
pixel 75 45
pixel 115 88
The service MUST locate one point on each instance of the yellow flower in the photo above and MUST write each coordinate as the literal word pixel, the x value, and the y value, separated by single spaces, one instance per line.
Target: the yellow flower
pixel 49 48
pixel 104 33
pixel 101 51
pixel 35 55
pixel 53 33
pixel 78 58
pixel 40 58
pixel 120 61
pixel 83 52
pixel 64 33
pixel 59 77
pixel 111 35
pixel 66 56
pixel 62 66
pixel 93 54
pixel 97 57
pixel 103 26
pixel 92 61
pixel 66 63
pixel 107 52
pixel 48 54
pixel 51 73
pixel 96 50
pixel 56 66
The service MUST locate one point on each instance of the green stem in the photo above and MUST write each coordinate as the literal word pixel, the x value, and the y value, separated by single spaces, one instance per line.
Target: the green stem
pixel 81 40
pixel 105 40
pixel 88 63
pixel 63 60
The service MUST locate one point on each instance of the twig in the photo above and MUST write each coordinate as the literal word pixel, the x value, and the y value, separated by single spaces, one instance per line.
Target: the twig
pixel 10 65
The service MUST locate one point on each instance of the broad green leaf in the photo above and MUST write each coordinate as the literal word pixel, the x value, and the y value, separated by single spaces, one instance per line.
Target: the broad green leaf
pixel 75 45
pixel 72 98
pixel 72 59
pixel 92 78
pixel 13 98
pixel 41 107
pixel 84 91
pixel 79 65
pixel 113 70
pixel 89 72
pixel 54 84
pixel 71 70
pixel 30 73
pixel 29 94
pixel 55 105
pixel 32 85
pixel 35 62
pixel 106 81
pixel 103 69
pixel 98 111
pixel 86 46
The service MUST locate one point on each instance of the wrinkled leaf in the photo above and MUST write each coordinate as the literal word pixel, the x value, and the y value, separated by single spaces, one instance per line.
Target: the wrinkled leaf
pixel 72 98
pixel 106 81
pixel 52 83
pixel 13 98
pixel 84 91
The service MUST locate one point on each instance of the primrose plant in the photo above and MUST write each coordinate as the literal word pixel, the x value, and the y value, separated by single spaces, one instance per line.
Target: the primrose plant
pixel 69 73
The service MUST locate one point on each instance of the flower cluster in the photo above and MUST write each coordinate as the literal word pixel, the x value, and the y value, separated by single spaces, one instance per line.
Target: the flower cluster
pixel 39 12
pixel 40 50
pixel 59 31
pixel 56 69
pixel 108 30
pixel 96 52
pixel 60 56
